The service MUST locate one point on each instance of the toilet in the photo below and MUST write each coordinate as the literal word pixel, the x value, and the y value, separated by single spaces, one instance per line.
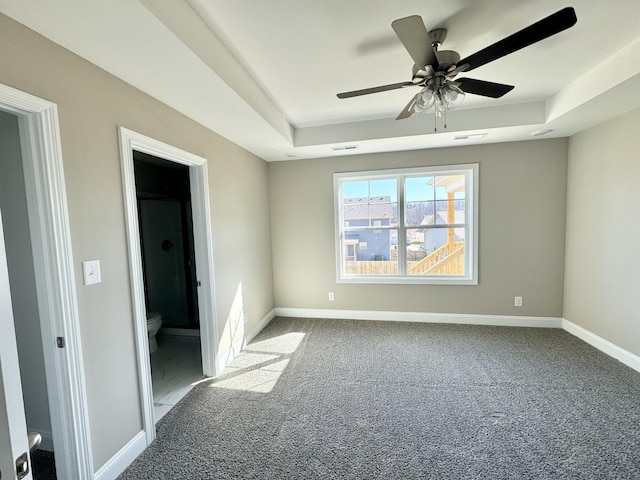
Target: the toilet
pixel 154 322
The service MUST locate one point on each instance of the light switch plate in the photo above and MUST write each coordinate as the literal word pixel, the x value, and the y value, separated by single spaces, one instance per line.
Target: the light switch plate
pixel 91 272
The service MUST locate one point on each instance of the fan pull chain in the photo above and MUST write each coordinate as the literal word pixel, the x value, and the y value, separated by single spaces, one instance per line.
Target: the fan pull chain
pixel 435 121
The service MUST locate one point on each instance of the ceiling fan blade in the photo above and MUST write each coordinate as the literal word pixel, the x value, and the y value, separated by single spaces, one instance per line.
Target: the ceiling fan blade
pixel 545 28
pixel 482 87
pixel 415 38
pixel 456 69
pixel 407 111
pixel 381 88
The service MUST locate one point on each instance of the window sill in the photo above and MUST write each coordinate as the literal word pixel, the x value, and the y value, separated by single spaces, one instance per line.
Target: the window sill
pixel 389 280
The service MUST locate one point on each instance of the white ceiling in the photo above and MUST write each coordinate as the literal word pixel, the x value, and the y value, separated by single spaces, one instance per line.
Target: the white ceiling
pixel 265 74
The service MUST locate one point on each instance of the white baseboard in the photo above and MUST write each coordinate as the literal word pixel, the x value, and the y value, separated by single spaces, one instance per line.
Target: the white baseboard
pixel 628 358
pixel 423 317
pixel 184 332
pixel 251 334
pixel 605 346
pixel 123 458
pixel 226 357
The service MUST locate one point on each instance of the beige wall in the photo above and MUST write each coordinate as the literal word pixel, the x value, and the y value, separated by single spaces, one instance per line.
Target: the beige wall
pixel 602 286
pixel 521 247
pixel 91 105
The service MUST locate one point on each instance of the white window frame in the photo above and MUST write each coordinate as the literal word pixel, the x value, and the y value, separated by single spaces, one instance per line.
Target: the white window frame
pixel 471 172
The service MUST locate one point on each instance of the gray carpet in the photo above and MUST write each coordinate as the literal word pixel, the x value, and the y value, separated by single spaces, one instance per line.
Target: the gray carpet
pixel 325 399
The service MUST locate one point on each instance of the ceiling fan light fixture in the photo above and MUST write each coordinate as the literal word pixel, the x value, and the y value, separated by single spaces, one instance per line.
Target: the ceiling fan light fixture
pixel 452 96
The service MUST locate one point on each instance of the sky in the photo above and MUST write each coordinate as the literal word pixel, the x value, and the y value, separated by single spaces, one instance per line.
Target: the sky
pixel 416 189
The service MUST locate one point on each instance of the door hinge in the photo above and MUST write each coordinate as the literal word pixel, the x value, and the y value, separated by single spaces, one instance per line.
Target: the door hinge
pixel 198 283
pixel 60 342
pixel 22 466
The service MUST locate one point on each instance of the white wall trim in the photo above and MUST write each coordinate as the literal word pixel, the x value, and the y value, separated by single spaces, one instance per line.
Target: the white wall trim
pixel 422 317
pixel 605 346
pixel 251 334
pixel 620 354
pixel 203 242
pixel 123 458
pixel 226 357
pixel 55 281
pixel 179 332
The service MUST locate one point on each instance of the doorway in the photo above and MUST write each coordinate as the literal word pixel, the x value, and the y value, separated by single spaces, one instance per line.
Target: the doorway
pixel 198 178
pixel 170 277
pixel 26 315
pixel 166 233
pixel 43 220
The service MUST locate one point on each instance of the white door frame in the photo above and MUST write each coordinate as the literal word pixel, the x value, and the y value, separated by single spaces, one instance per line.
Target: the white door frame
pixel 203 243
pixel 55 281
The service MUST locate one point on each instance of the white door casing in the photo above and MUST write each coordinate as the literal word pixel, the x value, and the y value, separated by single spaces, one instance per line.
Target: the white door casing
pixel 203 245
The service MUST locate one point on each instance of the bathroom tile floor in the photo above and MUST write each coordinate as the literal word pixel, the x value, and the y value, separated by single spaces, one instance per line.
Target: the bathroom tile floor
pixel 175 367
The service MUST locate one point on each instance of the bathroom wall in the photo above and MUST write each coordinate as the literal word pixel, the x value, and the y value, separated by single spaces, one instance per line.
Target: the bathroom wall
pixel 164 206
pixel 166 282
pixel 26 317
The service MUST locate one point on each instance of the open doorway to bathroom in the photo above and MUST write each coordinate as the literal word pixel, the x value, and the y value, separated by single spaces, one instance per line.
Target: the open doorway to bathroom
pixel 169 267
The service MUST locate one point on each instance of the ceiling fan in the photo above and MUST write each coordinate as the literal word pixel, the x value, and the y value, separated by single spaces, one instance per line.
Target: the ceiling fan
pixel 435 70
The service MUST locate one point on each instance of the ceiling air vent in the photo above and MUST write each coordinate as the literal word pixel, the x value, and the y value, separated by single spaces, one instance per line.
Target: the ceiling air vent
pixel 344 147
pixel 472 136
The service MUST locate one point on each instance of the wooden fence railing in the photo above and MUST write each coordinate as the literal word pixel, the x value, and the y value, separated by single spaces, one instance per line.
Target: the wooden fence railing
pixel 371 268
pixel 439 262
pixel 450 265
pixel 435 257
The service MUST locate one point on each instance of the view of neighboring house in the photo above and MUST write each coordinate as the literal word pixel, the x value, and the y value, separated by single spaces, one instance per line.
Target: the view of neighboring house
pixel 436 237
pixel 366 245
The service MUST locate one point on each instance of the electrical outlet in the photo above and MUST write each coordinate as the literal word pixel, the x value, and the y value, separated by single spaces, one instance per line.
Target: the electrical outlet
pixel 332 297
pixel 517 302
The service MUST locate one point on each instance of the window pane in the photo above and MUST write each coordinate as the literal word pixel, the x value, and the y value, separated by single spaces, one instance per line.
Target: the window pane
pixel 371 240
pixel 435 251
pixel 369 253
pixel 356 189
pixel 370 203
pixel 449 185
pixel 419 213
pixel 419 189
pixel 384 188
pixel 383 213
pixel 449 212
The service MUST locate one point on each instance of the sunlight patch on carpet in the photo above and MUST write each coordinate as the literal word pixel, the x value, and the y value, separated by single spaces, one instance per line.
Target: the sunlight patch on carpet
pixel 282 344
pixel 259 366
pixel 259 380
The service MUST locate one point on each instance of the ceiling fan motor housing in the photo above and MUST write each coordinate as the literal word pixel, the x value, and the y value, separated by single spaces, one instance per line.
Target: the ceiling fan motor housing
pixel 437 37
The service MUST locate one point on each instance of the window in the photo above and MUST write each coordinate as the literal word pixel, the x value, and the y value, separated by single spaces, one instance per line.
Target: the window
pixel 434 211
